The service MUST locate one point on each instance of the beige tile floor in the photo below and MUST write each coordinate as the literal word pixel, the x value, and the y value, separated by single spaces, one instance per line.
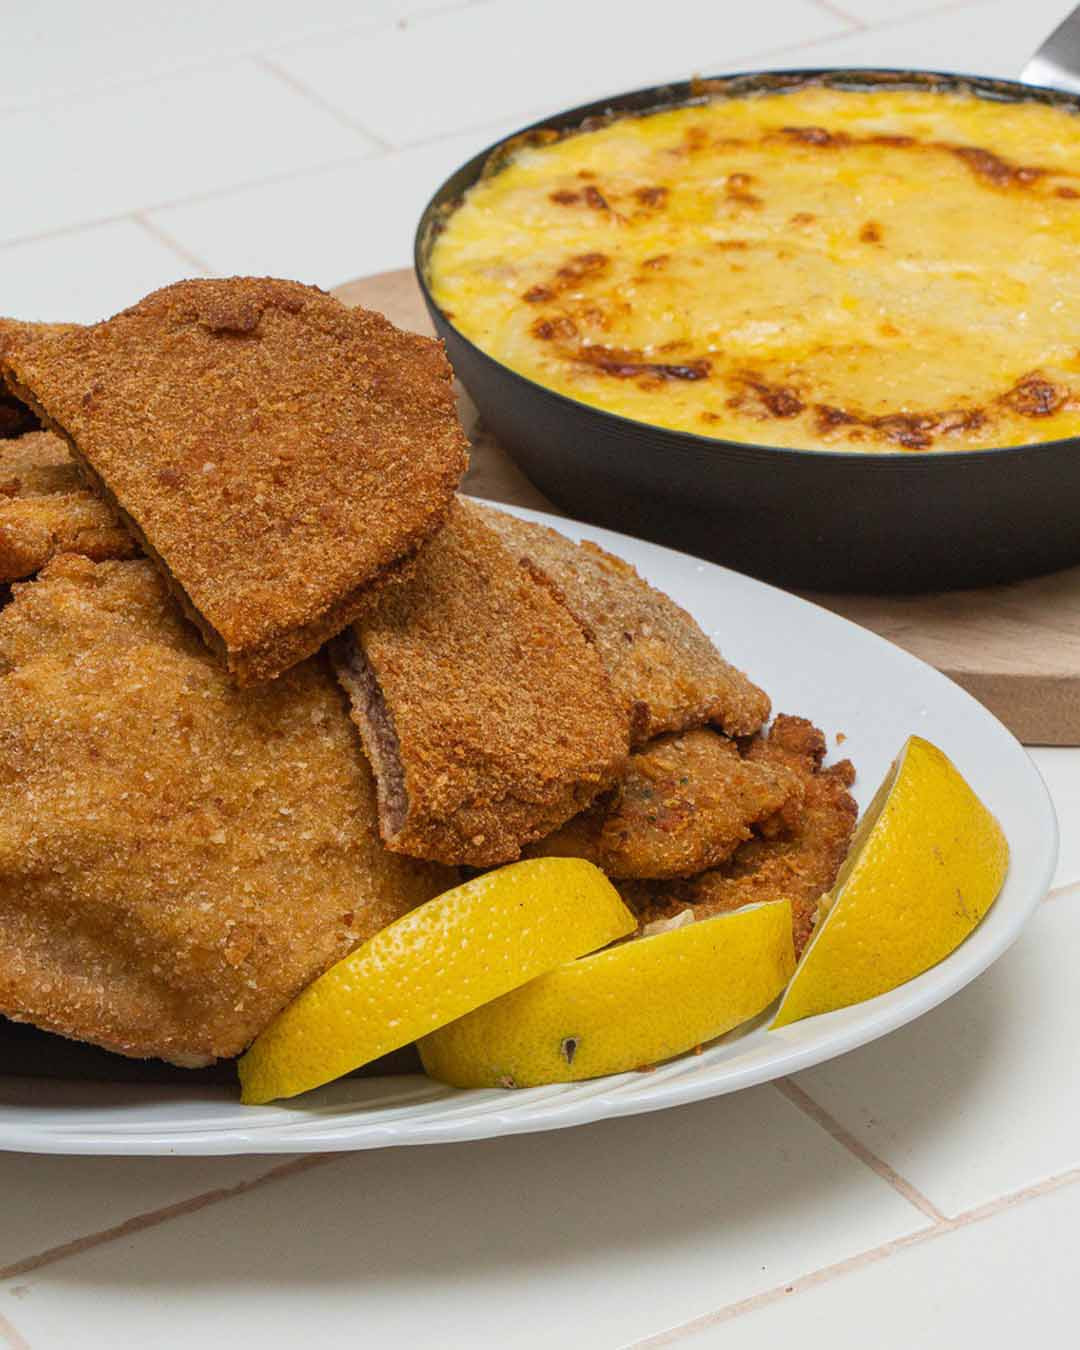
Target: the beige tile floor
pixel 919 1192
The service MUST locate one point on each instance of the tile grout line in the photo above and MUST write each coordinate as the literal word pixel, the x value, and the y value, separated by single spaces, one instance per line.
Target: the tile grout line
pixel 857 1262
pixel 949 7
pixel 163 237
pixel 272 69
pixel 373 156
pixel 780 1291
pixel 223 59
pixel 832 1127
pixel 1057 892
pixel 830 7
pixel 11 1336
pixel 193 199
pixel 152 1218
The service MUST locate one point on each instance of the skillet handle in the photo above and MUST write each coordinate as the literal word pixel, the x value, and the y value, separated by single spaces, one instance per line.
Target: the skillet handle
pixel 1057 62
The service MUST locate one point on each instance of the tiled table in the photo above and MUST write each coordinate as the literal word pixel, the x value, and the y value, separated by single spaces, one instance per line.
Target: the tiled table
pixel 919 1192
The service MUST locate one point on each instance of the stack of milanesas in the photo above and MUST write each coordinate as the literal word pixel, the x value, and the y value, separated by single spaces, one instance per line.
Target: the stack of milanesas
pixel 267 682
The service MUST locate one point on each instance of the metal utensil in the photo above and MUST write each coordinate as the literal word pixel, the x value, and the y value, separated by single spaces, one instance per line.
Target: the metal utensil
pixel 1057 62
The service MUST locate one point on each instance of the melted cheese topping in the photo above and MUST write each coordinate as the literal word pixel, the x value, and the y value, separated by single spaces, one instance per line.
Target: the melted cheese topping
pixel 883 270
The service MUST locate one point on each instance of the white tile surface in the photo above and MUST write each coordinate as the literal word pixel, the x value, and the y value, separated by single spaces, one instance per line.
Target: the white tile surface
pixel 513 59
pixel 49 1201
pixel 592 1237
pixel 1060 767
pixel 184 135
pixel 994 38
pixel 324 227
pixel 89 49
pixel 1008 1280
pixel 980 1097
pixel 86 275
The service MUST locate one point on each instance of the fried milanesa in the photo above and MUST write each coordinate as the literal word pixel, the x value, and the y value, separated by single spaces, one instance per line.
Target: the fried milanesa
pixel 685 803
pixel 276 454
pixel 666 671
pixel 45 509
pixel 484 709
pixel 15 416
pixel 801 855
pixel 178 857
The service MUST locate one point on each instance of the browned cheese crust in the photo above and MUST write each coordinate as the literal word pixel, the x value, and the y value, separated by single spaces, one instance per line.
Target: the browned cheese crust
pixel 685 803
pixel 178 857
pixel 277 454
pixel 485 710
pixel 15 417
pixel 668 674
pixel 45 509
pixel 797 855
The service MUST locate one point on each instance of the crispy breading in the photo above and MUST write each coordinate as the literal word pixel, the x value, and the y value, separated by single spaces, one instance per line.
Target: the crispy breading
pixel 178 857
pixel 667 672
pixel 799 859
pixel 15 417
pixel 684 804
pixel 276 454
pixel 484 708
pixel 46 509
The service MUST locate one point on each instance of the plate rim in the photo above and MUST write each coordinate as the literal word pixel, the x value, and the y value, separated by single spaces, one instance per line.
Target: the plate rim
pixel 533 1110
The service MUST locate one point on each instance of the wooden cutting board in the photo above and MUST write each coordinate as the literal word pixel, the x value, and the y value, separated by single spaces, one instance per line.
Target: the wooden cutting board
pixel 1016 648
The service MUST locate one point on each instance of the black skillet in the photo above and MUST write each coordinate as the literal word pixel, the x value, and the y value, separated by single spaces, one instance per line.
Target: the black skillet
pixel 821 520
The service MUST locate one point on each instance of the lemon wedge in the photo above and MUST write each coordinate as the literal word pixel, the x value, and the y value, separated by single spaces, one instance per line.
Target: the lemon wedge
pixel 439 961
pixel 630 1006
pixel 926 863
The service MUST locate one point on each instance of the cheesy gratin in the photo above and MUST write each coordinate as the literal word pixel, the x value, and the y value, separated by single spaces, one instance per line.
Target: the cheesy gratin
pixel 888 269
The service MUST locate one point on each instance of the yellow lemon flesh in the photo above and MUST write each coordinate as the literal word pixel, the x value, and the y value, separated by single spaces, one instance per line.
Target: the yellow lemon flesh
pixel 441 960
pixel 630 1006
pixel 926 864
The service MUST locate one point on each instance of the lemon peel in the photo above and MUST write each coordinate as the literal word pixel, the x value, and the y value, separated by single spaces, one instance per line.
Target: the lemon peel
pixel 633 1005
pixel 441 960
pixel 927 862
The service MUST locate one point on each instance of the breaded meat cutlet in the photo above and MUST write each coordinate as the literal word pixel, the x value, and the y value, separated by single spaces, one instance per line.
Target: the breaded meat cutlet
pixel 668 674
pixel 46 509
pixel 15 417
pixel 684 804
pixel 485 710
pixel 798 855
pixel 178 857
pixel 276 454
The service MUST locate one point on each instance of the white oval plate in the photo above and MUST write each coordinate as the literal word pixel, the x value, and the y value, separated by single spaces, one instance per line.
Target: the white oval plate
pixel 812 663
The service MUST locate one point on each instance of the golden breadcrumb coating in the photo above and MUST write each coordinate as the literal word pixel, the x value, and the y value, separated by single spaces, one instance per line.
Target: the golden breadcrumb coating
pixel 798 855
pixel 45 509
pixel 178 857
pixel 276 454
pixel 684 804
pixel 667 672
pixel 485 710
pixel 15 417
